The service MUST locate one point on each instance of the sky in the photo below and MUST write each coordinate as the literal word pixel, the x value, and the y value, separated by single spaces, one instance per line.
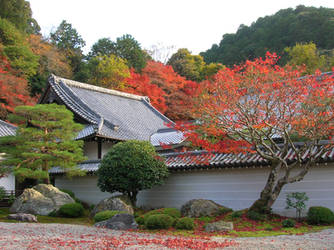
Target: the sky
pixel 192 24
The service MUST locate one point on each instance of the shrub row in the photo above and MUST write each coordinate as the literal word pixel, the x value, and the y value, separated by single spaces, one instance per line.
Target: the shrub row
pixel 165 218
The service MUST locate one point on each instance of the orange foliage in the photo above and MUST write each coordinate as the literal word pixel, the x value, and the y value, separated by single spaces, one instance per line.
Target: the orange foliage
pixel 13 90
pixel 51 59
pixel 168 91
pixel 139 84
pixel 257 101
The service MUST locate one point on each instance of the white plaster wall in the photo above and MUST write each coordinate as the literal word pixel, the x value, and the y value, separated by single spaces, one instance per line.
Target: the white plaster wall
pixel 8 182
pixel 106 146
pixel 90 150
pixel 235 188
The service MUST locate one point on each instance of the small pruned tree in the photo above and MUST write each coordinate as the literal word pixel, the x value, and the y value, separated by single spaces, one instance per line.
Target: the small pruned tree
pixel 129 167
pixel 44 139
pixel 260 107
pixel 297 201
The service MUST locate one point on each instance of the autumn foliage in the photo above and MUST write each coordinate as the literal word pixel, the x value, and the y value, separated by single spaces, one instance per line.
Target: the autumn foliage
pixel 13 90
pixel 259 100
pixel 263 108
pixel 169 92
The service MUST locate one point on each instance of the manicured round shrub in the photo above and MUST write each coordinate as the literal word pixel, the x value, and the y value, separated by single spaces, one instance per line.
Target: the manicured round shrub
pixel 159 221
pixel 72 210
pixel 106 215
pixel 140 220
pixel 288 223
pixel 255 215
pixel 173 212
pixel 185 223
pixel 320 216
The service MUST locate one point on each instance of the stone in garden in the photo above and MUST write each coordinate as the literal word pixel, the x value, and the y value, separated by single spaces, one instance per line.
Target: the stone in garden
pixel 200 207
pixel 119 222
pixel 22 217
pixel 219 226
pixel 119 203
pixel 41 199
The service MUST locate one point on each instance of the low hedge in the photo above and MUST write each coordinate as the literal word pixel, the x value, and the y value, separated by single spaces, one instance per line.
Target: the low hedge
pixel 72 210
pixel 173 212
pixel 185 223
pixel 320 216
pixel 159 221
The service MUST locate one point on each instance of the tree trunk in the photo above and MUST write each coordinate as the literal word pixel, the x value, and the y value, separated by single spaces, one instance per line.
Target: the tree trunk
pixel 46 180
pixel 269 193
pixel 133 197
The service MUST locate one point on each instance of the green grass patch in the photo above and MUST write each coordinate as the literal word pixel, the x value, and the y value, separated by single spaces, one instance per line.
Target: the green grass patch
pixel 84 220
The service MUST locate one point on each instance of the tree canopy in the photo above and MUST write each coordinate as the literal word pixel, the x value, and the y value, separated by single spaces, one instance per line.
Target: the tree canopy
pixel 246 107
pixel 191 66
pixel 19 13
pixel 125 47
pixel 309 56
pixel 273 33
pixel 44 139
pixel 108 71
pixel 129 167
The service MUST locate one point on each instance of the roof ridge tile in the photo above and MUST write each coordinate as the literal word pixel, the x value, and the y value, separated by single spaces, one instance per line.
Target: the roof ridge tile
pixel 98 89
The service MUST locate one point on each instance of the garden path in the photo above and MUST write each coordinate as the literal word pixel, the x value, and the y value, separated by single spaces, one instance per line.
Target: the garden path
pixel 61 236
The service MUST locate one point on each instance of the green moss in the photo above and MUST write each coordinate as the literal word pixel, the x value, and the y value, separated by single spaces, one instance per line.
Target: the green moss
pixel 105 215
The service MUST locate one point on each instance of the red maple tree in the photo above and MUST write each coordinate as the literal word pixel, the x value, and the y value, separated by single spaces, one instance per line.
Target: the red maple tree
pixel 13 90
pixel 169 92
pixel 262 108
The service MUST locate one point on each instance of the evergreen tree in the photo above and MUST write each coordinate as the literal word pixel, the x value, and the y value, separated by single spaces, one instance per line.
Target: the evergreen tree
pixel 44 139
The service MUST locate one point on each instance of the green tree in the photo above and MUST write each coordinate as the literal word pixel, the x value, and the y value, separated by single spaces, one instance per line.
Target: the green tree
pixel 308 55
pixel 13 45
pixel 44 139
pixel 19 13
pixel 68 40
pixel 51 60
pixel 192 67
pixel 129 49
pixel 103 47
pixel 187 65
pixel 108 71
pixel 129 167
pixel 274 33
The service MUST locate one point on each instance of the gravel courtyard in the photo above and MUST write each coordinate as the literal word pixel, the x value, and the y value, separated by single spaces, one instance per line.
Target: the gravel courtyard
pixel 60 236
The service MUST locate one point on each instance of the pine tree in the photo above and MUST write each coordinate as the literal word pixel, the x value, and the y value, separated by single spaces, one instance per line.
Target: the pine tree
pixel 44 139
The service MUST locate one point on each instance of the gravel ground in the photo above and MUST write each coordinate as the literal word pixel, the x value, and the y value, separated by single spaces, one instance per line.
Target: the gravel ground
pixel 60 236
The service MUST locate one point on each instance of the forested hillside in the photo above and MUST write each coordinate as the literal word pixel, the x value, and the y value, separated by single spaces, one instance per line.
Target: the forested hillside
pixel 305 35
pixel 274 33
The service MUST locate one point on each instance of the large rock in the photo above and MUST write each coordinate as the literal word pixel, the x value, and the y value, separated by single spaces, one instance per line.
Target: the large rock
pixel 22 217
pixel 219 226
pixel 119 203
pixel 41 199
pixel 200 207
pixel 119 222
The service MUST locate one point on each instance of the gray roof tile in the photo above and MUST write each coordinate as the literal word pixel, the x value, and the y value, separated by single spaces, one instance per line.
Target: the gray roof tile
pixel 109 113
pixel 7 129
pixel 203 159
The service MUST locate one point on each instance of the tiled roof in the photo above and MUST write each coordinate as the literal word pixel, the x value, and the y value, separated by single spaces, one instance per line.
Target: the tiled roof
pixel 7 129
pixel 205 160
pixel 167 136
pixel 89 166
pixel 109 113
